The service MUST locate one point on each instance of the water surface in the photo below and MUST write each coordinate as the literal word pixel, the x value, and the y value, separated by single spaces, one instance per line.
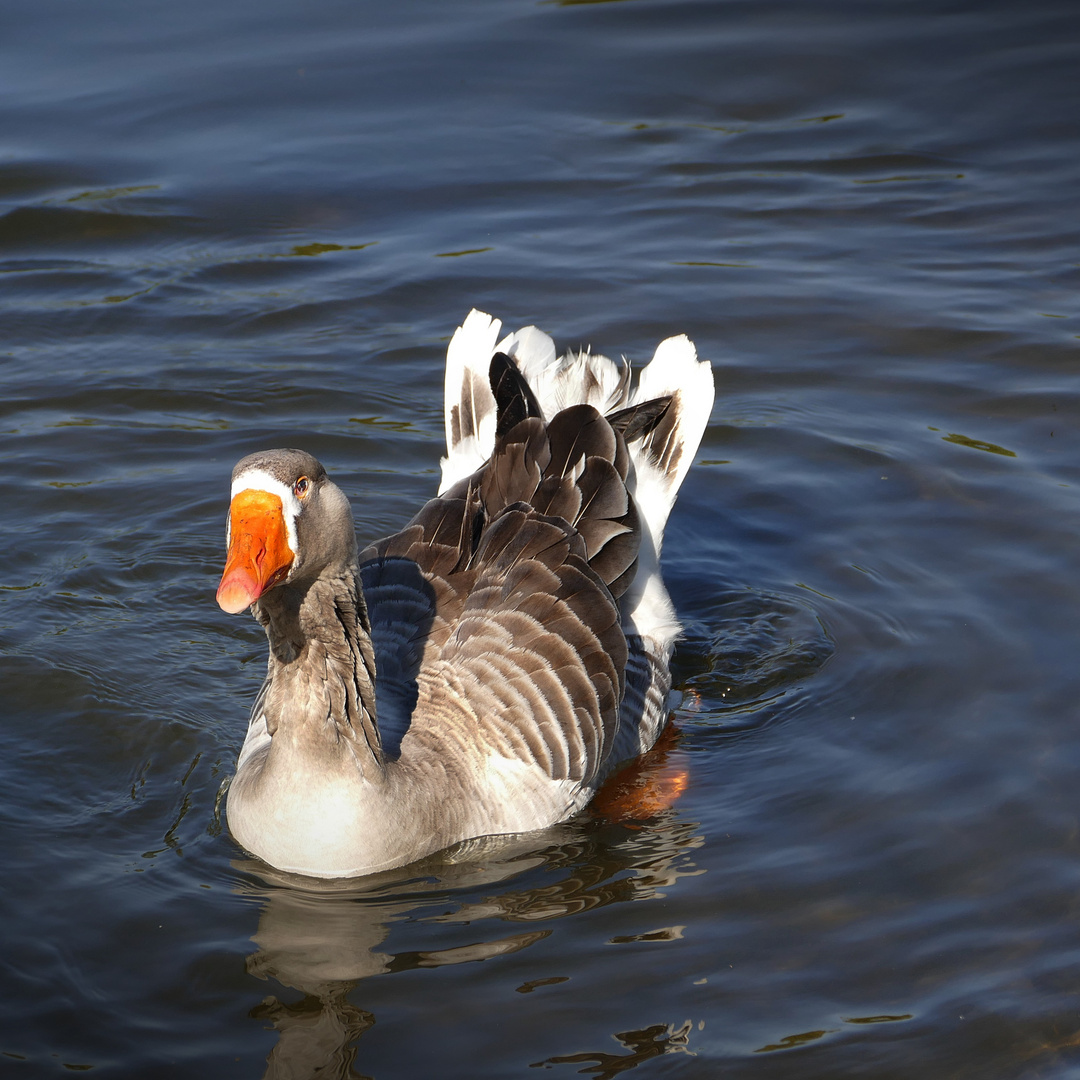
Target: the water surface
pixel 228 226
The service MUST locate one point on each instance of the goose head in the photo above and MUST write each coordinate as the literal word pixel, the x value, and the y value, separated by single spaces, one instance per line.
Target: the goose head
pixel 288 525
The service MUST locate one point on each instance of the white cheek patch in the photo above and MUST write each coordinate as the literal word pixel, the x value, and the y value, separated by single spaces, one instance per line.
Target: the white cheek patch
pixel 261 480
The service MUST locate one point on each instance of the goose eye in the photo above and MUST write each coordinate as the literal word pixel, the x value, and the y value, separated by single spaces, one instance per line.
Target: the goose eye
pixel 301 487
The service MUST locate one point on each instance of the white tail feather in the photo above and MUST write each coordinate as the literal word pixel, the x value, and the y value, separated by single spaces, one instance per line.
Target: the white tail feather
pixel 470 404
pixel 661 459
pixel 531 349
pixel 674 372
pixel 580 378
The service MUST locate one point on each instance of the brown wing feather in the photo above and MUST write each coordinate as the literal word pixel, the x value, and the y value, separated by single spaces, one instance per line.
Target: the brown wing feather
pixel 508 585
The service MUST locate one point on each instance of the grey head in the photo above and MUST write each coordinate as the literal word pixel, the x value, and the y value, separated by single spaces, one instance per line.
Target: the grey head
pixel 289 524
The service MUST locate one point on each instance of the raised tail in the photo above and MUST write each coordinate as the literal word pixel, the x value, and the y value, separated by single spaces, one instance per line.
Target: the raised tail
pixel 578 378
pixel 665 454
pixel 662 451
pixel 469 402
pixel 662 458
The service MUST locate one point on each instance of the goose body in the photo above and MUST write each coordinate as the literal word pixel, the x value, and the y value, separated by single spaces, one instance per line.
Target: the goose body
pixel 483 670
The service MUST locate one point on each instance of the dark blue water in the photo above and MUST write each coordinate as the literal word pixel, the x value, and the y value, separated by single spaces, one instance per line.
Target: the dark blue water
pixel 231 226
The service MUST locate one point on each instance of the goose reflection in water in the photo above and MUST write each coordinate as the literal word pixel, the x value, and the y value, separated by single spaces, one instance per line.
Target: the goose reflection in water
pixel 322 938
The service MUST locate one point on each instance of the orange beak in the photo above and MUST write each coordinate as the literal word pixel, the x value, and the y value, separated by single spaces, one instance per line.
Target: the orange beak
pixel 259 553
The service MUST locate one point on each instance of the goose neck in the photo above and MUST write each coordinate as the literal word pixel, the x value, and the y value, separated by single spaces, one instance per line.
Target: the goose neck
pixel 322 668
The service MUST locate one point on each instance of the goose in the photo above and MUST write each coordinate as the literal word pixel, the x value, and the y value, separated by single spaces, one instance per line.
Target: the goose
pixel 483 670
